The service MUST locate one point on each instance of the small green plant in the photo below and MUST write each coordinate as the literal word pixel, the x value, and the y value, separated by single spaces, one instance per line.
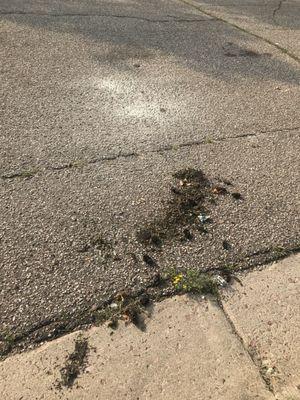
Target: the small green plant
pixel 208 140
pixel 104 315
pixel 193 281
pixel 7 341
pixel 279 252
pixel 230 267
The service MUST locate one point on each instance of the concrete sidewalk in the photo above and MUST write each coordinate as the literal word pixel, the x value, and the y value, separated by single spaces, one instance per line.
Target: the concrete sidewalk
pixel 191 349
pixel 275 21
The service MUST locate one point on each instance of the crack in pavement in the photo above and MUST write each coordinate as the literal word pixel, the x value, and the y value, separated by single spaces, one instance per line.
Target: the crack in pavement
pixel 257 363
pixel 58 15
pixel 277 9
pixel 293 128
pixel 232 24
pixel 29 173
pixel 59 325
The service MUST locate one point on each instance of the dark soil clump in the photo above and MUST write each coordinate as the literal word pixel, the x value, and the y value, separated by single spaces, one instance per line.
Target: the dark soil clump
pixel 237 196
pixel 149 260
pixel 185 211
pixel 75 363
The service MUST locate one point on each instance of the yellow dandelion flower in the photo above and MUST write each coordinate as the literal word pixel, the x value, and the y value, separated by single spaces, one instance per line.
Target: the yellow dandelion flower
pixel 177 279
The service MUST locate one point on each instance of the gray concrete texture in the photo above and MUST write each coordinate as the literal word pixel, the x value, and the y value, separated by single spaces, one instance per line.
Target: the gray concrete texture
pixel 188 352
pixel 265 312
pixel 277 21
pixel 102 103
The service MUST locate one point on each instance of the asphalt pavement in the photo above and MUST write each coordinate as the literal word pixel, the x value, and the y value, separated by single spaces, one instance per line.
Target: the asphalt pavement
pixel 104 104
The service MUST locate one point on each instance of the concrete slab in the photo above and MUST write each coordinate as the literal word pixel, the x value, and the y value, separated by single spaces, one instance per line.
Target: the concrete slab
pixel 265 312
pixel 187 352
pixel 276 21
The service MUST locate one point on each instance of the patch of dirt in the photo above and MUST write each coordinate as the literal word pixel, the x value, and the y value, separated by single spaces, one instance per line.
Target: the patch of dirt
pixel 75 364
pixel 96 243
pixel 100 248
pixel 191 198
pixel 127 307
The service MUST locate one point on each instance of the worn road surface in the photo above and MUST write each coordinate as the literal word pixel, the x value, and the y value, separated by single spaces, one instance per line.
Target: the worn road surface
pixel 102 103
